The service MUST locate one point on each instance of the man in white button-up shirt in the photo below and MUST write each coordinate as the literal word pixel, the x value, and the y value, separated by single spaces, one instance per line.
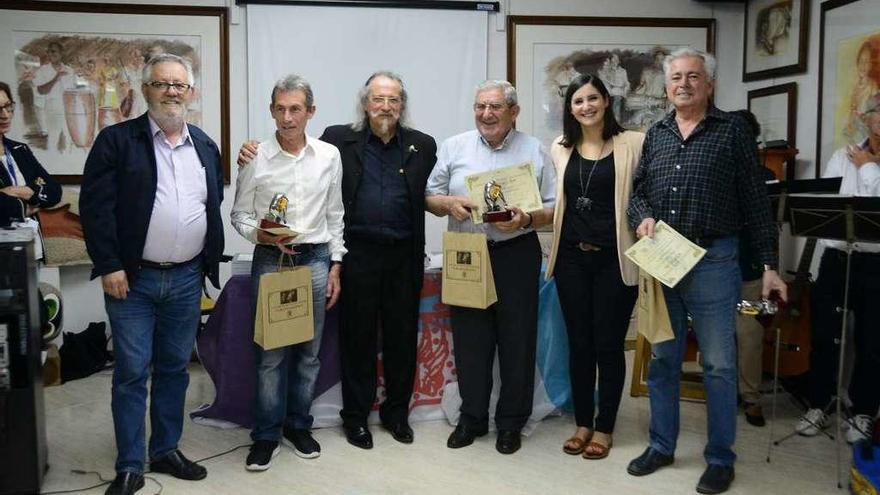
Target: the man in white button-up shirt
pixel 308 172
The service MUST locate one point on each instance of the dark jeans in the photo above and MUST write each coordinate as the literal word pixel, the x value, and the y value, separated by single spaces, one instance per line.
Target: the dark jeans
pixel 511 326
pixel 864 296
pixel 378 286
pixel 597 306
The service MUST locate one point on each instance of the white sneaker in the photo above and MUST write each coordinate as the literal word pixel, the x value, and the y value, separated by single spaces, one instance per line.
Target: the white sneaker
pixel 859 428
pixel 811 423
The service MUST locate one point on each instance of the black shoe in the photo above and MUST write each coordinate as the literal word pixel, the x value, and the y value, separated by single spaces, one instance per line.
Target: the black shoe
pixel 302 443
pixel 715 479
pixel 508 442
pixel 261 455
pixel 754 414
pixel 178 466
pixel 126 483
pixel 650 461
pixel 464 435
pixel 400 431
pixel 359 436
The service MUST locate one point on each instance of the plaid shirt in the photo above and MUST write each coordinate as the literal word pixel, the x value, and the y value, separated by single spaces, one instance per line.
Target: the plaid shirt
pixel 705 186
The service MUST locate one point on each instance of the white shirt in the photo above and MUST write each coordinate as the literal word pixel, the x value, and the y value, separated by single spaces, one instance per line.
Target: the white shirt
pixel 179 220
pixel 312 182
pixel 54 99
pixel 468 153
pixel 856 181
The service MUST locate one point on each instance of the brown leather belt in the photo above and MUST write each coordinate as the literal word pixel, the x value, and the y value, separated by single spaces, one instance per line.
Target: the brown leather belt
pixel 587 247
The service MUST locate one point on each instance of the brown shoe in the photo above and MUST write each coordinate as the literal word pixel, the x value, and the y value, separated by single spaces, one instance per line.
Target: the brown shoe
pixel 575 445
pixel 754 414
pixel 598 450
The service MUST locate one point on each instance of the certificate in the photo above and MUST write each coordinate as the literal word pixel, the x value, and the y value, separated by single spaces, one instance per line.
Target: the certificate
pixel 668 256
pixel 518 185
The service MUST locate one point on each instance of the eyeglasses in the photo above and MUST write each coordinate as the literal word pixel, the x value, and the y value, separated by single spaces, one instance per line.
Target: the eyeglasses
pixel 165 86
pixel 9 107
pixel 493 107
pixel 390 100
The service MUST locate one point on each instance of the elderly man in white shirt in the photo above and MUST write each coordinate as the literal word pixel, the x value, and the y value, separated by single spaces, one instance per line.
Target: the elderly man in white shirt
pixel 308 172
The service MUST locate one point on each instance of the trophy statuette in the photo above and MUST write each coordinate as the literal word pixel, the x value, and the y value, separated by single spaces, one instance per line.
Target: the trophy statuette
pixel 496 205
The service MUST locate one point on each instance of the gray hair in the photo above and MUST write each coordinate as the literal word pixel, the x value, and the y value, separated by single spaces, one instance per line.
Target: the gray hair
pixel 162 58
pixel 293 82
pixel 709 62
pixel 505 87
pixel 362 121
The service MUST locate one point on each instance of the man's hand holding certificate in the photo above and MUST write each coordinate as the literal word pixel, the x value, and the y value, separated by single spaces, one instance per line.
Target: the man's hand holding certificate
pixel 668 256
pixel 516 186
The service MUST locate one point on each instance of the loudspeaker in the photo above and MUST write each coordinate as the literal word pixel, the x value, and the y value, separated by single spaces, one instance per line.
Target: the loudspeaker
pixel 22 420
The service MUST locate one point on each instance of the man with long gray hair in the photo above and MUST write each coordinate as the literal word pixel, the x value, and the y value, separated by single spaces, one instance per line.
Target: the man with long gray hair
pixel 150 209
pixel 308 172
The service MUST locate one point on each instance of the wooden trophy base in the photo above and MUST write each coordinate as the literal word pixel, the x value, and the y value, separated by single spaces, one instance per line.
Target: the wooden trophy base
pixel 497 216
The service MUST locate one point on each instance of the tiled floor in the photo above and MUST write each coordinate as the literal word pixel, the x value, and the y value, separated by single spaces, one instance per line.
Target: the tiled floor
pixel 80 431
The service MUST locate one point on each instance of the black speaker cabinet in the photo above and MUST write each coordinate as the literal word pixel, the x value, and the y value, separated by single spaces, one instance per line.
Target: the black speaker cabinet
pixel 23 456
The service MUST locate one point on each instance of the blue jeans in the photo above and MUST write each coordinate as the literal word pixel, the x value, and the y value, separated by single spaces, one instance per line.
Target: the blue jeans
pixel 286 376
pixel 709 293
pixel 154 327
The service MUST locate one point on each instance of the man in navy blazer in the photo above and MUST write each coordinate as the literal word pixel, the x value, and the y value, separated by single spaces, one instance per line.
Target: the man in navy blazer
pixel 150 209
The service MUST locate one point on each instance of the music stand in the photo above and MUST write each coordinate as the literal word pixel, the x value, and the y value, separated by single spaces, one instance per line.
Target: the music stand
pixel 778 192
pixel 846 218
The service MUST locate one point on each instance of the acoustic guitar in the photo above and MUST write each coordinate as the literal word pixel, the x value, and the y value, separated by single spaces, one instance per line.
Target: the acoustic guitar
pixel 794 323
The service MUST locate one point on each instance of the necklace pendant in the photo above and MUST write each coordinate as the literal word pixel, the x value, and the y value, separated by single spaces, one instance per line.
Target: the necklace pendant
pixel 583 203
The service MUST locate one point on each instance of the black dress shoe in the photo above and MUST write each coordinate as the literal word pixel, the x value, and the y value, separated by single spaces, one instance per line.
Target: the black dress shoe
pixel 508 441
pixel 650 461
pixel 754 414
pixel 400 431
pixel 178 466
pixel 464 435
pixel 359 436
pixel 126 483
pixel 715 479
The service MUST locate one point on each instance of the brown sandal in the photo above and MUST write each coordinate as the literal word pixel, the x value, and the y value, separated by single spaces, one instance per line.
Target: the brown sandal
pixel 599 451
pixel 575 445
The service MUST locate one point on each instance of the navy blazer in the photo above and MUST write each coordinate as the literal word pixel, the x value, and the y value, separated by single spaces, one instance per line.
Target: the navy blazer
pixel 419 157
pixel 118 192
pixel 47 192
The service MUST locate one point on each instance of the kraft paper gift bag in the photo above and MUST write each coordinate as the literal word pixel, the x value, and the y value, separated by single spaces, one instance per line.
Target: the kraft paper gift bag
pixel 467 271
pixel 284 308
pixel 652 317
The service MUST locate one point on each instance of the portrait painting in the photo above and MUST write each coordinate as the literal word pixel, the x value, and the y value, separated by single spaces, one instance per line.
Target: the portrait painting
pixel 849 73
pixel 775 38
pixel 546 53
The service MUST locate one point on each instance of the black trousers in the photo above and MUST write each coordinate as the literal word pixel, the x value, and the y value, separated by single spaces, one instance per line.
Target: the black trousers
pixel 511 326
pixel 596 306
pixel 378 289
pixel 864 301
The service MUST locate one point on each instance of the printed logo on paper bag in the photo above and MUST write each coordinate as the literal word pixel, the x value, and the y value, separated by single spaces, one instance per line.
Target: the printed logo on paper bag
pixel 463 265
pixel 289 304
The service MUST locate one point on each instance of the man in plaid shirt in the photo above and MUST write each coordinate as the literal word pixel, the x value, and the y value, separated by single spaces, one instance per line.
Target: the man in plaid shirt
pixel 699 173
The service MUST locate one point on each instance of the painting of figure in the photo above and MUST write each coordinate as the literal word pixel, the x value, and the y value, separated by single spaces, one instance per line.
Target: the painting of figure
pixel 858 79
pixel 773 28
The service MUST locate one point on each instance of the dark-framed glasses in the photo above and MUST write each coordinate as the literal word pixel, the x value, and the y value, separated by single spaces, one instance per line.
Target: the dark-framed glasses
pixel 390 100
pixel 165 86
pixel 9 107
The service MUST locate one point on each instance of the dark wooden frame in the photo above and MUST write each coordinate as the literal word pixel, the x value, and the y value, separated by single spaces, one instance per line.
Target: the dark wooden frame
pixel 825 7
pixel 647 22
pixel 803 45
pixel 791 90
pixel 221 13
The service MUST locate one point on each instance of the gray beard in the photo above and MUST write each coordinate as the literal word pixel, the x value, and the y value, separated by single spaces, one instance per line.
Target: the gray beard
pixel 168 123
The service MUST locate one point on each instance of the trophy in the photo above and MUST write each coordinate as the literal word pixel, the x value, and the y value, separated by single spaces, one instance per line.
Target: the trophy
pixel 496 205
pixel 277 214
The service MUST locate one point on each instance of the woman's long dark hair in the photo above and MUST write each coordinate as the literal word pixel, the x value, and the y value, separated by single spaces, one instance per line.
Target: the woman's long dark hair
pixel 5 88
pixel 571 128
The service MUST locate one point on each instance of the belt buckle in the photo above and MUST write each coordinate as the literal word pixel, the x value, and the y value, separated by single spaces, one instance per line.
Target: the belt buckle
pixel 587 247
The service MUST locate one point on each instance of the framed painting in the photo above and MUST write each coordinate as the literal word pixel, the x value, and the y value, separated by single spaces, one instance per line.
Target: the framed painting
pixel 75 68
pixel 775 38
pixel 544 53
pixel 775 108
pixel 849 73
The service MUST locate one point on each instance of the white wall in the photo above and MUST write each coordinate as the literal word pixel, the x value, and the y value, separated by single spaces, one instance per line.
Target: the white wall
pixel 83 300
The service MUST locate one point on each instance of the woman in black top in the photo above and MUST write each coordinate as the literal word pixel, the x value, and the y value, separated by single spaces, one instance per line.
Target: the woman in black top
pixel 595 159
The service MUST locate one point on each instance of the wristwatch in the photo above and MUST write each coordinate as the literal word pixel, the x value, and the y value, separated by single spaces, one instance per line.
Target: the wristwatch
pixel 767 267
pixel 529 224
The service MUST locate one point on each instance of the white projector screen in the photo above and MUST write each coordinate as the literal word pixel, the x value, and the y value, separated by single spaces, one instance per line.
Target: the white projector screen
pixel 440 54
